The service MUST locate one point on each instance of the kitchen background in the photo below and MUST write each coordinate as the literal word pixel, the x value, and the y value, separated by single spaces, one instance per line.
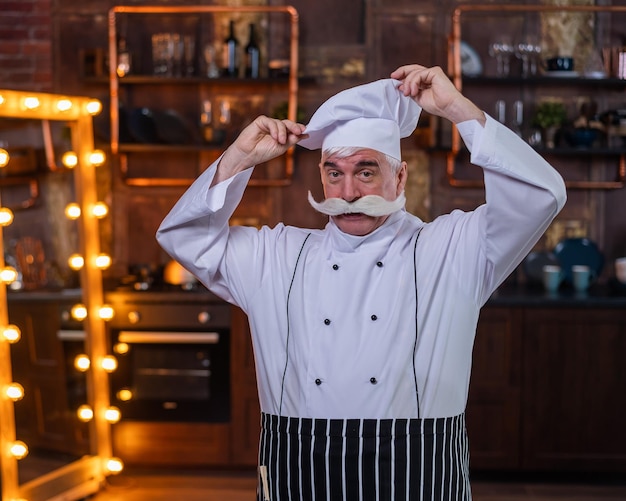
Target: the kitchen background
pixel 530 347
pixel 47 45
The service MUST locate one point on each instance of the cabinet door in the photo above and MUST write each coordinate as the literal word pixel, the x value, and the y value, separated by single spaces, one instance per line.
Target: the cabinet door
pixel 574 399
pixel 493 407
pixel 245 424
pixel 45 418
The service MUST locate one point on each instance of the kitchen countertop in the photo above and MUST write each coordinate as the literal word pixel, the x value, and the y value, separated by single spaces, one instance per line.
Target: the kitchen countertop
pixel 44 295
pixel 600 295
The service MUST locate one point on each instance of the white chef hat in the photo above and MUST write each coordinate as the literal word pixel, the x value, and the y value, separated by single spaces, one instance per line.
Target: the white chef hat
pixel 374 115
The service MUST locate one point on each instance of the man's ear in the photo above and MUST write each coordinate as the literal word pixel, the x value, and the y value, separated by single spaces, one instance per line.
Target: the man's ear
pixel 401 175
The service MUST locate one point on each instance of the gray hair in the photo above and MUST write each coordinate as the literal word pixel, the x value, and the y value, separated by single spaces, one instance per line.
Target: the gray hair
pixel 346 151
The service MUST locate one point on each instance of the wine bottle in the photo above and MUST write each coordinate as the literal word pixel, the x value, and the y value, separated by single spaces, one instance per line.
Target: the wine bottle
pixel 230 64
pixel 206 121
pixel 253 55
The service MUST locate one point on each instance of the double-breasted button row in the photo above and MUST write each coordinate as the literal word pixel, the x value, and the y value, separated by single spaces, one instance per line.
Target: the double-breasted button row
pixel 378 263
pixel 373 380
pixel 327 321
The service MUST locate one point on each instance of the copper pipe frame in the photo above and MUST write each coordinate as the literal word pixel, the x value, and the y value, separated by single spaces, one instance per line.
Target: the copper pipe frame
pixel 454 68
pixel 199 9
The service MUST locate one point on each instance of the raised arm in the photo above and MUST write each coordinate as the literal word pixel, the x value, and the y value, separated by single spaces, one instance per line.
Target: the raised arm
pixel 265 138
pixel 436 94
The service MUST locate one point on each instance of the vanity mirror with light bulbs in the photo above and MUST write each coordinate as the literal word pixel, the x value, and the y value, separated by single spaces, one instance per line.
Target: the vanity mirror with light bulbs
pixel 62 126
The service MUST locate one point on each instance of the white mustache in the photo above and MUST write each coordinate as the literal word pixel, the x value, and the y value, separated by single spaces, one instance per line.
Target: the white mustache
pixel 370 205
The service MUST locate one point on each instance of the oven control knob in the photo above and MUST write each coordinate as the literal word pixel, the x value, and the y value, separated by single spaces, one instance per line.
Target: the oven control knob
pixel 134 317
pixel 204 317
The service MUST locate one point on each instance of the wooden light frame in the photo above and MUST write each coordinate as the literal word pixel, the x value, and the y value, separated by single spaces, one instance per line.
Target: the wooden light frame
pixel 87 474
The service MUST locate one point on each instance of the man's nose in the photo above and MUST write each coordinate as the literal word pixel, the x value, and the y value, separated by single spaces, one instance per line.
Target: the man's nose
pixel 350 190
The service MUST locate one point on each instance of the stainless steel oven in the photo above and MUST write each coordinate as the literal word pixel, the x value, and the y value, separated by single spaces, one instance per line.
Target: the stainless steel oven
pixel 173 353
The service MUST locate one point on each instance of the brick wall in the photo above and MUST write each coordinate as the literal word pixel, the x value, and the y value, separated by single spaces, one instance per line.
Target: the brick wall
pixel 26 45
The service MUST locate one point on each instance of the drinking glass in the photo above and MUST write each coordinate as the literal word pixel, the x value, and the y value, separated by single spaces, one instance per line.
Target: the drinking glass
pixel 528 50
pixel 189 43
pixel 163 54
pixel 212 68
pixel 502 49
pixel 178 51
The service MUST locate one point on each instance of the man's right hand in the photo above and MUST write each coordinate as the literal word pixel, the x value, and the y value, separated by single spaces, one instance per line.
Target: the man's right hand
pixel 264 139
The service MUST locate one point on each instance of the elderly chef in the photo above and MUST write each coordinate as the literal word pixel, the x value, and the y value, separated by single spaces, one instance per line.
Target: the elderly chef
pixel 363 330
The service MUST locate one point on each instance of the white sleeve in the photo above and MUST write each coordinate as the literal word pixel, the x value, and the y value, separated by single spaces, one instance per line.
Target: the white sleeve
pixel 195 232
pixel 523 194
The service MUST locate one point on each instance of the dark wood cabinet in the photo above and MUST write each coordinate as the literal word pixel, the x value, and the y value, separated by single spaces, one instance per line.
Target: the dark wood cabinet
pixel 574 400
pixel 494 404
pixel 245 409
pixel 546 392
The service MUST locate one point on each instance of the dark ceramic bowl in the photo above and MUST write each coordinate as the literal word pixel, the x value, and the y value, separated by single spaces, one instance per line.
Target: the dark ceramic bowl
pixel 560 64
pixel 582 137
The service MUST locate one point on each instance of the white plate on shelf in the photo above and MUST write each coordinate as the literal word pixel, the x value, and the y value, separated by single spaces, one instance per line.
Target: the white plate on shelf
pixel 471 65
pixel 562 74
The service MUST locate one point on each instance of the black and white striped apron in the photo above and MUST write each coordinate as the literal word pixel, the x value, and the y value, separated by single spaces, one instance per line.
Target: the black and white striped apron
pixel 363 459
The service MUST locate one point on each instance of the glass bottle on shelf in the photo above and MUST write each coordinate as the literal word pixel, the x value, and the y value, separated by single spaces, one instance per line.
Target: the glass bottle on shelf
pixel 500 110
pixel 230 61
pixel 517 122
pixel 123 58
pixel 253 54
pixel 206 121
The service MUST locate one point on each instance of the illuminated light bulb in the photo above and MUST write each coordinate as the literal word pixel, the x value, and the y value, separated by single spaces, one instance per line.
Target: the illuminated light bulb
pixel 114 465
pixel 72 211
pixel 4 157
pixel 8 275
pixel 121 348
pixel 76 262
pixel 18 449
pixel 97 158
pixel 84 413
pixel 14 391
pixel 106 312
pixel 69 159
pixel 12 333
pixel 93 107
pixel 31 103
pixel 124 395
pixel 64 105
pixel 79 312
pixel 100 210
pixel 103 261
pixel 112 415
pixel 6 216
pixel 82 363
pixel 1 99
pixel 108 363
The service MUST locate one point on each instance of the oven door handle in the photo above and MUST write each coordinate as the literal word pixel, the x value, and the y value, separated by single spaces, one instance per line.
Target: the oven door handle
pixel 168 337
pixel 71 335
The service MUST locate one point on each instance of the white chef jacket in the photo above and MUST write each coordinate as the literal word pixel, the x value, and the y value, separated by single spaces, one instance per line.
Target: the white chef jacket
pixel 375 326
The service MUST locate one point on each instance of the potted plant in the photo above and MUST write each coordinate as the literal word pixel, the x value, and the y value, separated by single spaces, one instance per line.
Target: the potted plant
pixel 549 116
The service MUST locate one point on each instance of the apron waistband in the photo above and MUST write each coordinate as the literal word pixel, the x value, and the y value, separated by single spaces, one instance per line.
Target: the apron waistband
pixel 312 459
pixel 363 428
